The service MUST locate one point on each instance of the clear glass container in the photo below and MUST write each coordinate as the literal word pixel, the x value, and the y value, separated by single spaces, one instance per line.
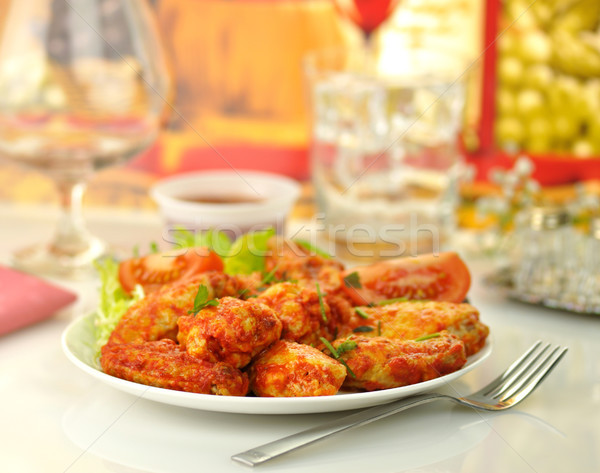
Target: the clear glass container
pixel 384 151
pixel 543 261
pixel 589 274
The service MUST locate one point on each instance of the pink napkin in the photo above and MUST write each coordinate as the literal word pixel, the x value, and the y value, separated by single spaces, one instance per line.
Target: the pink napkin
pixel 26 299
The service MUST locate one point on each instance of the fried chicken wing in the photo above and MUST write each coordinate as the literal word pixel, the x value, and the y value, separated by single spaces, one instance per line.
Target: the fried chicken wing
pixel 155 316
pixel 233 331
pixel 291 262
pixel 290 369
pixel 383 363
pixel 342 309
pixel 413 319
pixel 299 309
pixel 165 364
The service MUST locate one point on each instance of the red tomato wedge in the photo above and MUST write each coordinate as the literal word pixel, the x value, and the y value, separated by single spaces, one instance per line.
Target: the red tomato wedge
pixel 155 270
pixel 444 277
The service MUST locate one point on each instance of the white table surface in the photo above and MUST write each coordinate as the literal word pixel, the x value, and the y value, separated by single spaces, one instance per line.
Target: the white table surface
pixel 56 418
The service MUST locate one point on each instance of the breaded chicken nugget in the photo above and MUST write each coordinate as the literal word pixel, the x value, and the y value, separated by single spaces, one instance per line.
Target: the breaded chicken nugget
pixel 383 363
pixel 155 316
pixel 291 262
pixel 165 364
pixel 290 369
pixel 233 331
pixel 303 317
pixel 413 319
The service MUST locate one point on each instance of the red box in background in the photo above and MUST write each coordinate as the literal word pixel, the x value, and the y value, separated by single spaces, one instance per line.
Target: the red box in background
pixel 540 91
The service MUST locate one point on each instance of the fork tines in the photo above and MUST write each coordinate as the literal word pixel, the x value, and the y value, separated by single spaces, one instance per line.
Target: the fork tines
pixel 523 376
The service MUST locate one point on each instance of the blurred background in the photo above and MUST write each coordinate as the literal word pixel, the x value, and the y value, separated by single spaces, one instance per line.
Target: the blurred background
pixel 239 95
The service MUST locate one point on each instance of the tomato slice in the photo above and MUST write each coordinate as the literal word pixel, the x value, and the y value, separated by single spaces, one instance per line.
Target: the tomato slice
pixel 443 277
pixel 155 270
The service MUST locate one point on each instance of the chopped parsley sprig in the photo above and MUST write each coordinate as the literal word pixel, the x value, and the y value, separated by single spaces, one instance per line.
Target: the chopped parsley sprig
pixel 392 301
pixel 428 337
pixel 201 300
pixel 345 346
pixel 353 280
pixel 321 303
pixel 363 329
pixel 268 277
pixel 361 313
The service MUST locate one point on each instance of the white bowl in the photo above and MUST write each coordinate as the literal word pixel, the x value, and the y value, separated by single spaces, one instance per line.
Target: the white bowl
pixel 270 199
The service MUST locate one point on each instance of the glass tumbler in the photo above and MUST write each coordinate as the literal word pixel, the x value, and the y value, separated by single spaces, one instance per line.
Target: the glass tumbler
pixel 385 162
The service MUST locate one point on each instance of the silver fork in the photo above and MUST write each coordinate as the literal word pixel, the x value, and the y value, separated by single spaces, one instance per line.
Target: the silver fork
pixel 507 390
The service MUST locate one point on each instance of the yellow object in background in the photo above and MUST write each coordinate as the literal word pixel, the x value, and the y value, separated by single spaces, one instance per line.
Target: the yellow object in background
pixel 238 65
pixel 548 71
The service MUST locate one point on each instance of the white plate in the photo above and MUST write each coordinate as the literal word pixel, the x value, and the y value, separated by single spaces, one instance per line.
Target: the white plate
pixel 78 342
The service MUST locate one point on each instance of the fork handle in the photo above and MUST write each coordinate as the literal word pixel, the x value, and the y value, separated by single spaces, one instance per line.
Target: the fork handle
pixel 268 451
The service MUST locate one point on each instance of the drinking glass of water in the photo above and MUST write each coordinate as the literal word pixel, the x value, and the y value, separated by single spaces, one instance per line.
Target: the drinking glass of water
pixel 385 157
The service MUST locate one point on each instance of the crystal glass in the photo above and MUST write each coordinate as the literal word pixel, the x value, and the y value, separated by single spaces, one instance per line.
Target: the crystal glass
pixel 82 86
pixel 384 149
pixel 544 265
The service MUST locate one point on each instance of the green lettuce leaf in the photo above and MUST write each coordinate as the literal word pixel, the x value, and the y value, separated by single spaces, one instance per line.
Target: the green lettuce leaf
pixel 247 254
pixel 113 300
pixel 215 240
pixel 312 249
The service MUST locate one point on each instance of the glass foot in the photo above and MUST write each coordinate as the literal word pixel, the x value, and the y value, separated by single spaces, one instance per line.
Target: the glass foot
pixel 48 260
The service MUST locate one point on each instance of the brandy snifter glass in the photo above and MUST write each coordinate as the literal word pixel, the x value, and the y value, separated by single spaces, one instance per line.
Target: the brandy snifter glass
pixel 83 85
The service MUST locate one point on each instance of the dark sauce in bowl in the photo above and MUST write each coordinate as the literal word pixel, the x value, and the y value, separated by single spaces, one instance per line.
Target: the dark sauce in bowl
pixel 225 199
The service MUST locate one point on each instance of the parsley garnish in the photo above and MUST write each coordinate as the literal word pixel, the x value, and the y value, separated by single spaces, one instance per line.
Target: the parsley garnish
pixel 262 285
pixel 392 301
pixel 267 278
pixel 201 300
pixel 321 304
pixel 353 280
pixel 330 347
pixel 361 313
pixel 343 348
pixel 153 247
pixel 362 329
pixel 379 328
pixel 427 337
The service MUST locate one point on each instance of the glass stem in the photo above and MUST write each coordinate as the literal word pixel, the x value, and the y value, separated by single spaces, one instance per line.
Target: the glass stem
pixel 368 35
pixel 369 45
pixel 72 238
